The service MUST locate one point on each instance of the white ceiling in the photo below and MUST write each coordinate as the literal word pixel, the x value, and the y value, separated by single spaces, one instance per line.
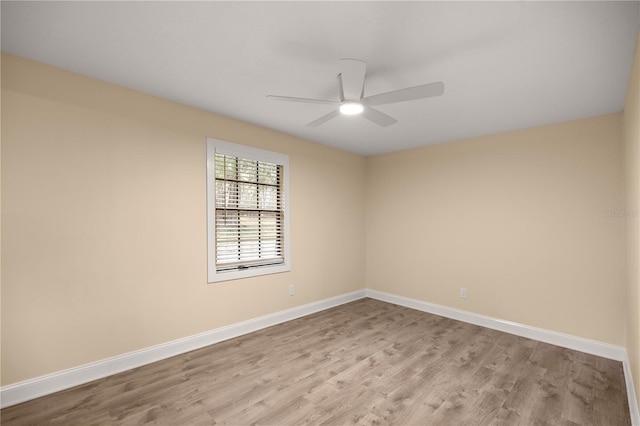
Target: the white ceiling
pixel 505 65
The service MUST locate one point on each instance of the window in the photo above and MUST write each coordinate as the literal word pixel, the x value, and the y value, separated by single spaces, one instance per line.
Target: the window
pixel 247 209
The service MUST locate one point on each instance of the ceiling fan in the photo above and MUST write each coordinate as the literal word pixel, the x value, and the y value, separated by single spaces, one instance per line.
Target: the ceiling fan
pixel 352 100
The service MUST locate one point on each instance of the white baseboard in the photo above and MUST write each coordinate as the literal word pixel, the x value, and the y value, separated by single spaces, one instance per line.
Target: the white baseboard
pixel 40 386
pixel 44 385
pixel 605 350
pixel 593 347
pixel 631 392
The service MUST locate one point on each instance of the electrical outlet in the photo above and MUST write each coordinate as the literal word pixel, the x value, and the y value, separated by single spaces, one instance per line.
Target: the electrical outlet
pixel 292 290
pixel 463 292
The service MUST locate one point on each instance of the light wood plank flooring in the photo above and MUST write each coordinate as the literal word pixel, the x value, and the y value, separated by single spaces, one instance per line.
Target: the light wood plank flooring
pixel 366 362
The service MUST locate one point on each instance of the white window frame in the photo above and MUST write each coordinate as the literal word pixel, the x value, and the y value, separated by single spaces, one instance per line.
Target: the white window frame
pixel 227 148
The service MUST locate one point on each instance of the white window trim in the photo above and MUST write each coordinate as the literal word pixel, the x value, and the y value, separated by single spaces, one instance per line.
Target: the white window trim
pixel 227 148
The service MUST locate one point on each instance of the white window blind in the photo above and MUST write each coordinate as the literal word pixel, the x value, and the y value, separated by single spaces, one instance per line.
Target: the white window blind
pixel 249 213
pixel 249 216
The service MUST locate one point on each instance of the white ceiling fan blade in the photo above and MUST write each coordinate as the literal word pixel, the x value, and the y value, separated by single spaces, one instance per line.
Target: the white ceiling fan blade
pixel 340 89
pixel 408 94
pixel 306 100
pixel 324 118
pixel 353 72
pixel 378 117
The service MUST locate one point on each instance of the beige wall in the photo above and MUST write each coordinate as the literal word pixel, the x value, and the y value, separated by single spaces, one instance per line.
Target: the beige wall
pixel 519 219
pixel 632 213
pixel 104 222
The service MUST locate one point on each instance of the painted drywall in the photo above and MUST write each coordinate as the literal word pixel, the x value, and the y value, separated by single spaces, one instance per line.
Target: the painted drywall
pixel 631 215
pixel 104 222
pixel 104 242
pixel 526 221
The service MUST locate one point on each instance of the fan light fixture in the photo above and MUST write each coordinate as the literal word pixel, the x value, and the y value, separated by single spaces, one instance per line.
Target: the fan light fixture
pixel 351 108
pixel 352 101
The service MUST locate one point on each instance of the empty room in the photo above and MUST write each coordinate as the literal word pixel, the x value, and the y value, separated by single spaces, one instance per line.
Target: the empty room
pixel 320 213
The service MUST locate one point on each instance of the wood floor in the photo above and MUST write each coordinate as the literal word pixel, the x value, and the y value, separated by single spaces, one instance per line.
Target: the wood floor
pixel 366 362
